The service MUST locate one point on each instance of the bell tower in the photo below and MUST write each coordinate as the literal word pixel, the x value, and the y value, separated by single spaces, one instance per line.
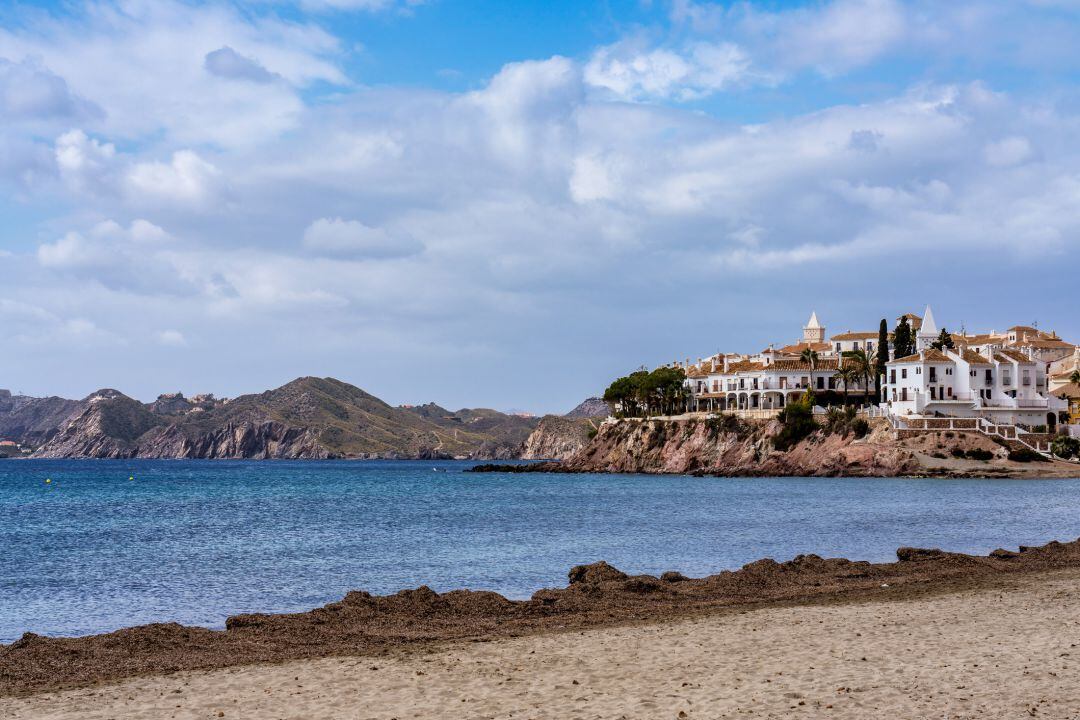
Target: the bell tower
pixel 813 332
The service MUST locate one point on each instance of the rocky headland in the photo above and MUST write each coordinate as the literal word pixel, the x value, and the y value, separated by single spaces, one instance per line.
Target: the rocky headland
pixel 728 446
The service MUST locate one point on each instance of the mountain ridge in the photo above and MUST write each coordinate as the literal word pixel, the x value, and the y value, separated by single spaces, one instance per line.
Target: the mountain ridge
pixel 307 418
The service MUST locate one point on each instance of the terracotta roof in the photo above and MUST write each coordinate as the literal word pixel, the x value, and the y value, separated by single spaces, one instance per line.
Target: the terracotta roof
pixel 1045 344
pixel 799 347
pixel 743 366
pixel 974 339
pixel 931 355
pixel 855 336
pixel 1072 390
pixel 823 364
pixel 973 358
pixel 1012 355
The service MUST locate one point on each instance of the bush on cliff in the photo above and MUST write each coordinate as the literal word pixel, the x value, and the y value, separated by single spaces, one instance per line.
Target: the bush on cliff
pixel 1026 455
pixel 846 422
pixel 797 423
pixel 1065 447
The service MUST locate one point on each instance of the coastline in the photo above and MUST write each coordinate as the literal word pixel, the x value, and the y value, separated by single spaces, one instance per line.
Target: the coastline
pixel 598 596
pixel 1000 651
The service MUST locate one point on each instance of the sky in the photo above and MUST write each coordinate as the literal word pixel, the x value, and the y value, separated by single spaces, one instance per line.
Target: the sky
pixel 508 204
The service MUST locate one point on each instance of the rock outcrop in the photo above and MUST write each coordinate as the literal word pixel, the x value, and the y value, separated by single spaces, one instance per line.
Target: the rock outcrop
pixel 727 446
pixel 558 438
pixel 593 407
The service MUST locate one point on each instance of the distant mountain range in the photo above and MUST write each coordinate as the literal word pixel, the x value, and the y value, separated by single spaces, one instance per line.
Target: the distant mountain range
pixel 306 418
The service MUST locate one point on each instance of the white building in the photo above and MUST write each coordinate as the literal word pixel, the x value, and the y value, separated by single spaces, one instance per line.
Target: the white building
pixel 1000 384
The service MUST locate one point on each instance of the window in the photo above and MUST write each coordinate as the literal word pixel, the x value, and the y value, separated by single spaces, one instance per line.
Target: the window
pixel 837 347
pixel 892 378
pixel 948 371
pixel 903 373
pixel 821 383
pixel 918 371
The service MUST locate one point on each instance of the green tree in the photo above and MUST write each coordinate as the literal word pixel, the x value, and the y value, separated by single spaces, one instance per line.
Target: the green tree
pixel 882 358
pixel 903 341
pixel 810 357
pixel 623 395
pixel 944 340
pixel 796 422
pixel 847 374
pixel 862 364
pixel 1075 377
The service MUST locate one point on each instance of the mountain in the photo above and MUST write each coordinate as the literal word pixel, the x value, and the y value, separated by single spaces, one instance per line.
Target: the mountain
pixel 593 407
pixel 306 418
pixel 31 421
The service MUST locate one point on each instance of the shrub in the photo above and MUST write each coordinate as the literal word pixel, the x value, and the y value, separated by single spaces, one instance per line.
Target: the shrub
pixel 860 428
pixel 592 433
pixel 979 454
pixel 797 421
pixel 1039 429
pixel 725 423
pixel 958 452
pixel 1025 455
pixel 1065 447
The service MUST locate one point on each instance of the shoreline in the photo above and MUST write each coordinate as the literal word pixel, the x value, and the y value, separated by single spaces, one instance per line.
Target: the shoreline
pixel 597 596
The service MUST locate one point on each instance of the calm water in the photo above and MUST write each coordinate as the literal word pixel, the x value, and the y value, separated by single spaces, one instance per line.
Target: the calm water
pixel 195 541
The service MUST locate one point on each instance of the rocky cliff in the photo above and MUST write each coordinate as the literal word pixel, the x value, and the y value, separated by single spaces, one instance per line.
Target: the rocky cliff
pixel 307 418
pixel 593 407
pixel 728 446
pixel 558 438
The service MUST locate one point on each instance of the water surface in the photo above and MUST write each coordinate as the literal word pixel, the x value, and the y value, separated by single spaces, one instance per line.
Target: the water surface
pixel 196 541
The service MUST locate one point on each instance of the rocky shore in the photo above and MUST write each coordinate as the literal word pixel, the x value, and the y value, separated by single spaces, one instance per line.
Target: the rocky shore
pixel 731 447
pixel 597 595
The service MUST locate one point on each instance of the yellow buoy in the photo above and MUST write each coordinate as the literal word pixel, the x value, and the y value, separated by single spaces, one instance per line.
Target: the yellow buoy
pixel 131 478
pixel 48 480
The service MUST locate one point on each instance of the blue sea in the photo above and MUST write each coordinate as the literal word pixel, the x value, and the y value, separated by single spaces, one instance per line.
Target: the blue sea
pixel 109 544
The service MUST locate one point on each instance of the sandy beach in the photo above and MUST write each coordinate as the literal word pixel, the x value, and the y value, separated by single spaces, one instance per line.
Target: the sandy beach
pixel 1005 651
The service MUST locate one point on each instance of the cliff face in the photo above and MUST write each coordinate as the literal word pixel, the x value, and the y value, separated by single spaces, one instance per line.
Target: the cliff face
pixel 309 418
pixel 32 421
pixel 726 446
pixel 558 438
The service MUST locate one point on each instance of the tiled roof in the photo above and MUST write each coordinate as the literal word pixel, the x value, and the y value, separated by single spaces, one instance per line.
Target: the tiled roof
pixel 799 347
pixel 823 364
pixel 931 355
pixel 1012 355
pixel 855 336
pixel 744 366
pixel 1046 344
pixel 1072 390
pixel 973 358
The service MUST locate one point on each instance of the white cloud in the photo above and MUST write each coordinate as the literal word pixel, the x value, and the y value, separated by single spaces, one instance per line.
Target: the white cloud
pixel 30 91
pixel 335 236
pixel 227 63
pixel 85 163
pixel 697 70
pixel 186 180
pixel 1007 151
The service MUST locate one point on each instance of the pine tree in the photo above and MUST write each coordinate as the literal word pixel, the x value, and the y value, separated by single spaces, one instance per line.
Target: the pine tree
pixel 903 343
pixel 944 340
pixel 882 355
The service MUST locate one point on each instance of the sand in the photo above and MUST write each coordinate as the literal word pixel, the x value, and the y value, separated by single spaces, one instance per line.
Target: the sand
pixel 1007 651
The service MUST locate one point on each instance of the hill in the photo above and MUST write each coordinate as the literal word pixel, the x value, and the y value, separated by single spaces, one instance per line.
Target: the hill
pixel 306 418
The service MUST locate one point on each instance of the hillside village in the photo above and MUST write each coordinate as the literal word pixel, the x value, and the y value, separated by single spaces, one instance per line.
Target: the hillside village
pixel 1022 380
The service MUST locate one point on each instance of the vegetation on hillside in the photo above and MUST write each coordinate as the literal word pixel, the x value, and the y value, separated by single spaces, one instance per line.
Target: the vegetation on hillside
pixel 660 392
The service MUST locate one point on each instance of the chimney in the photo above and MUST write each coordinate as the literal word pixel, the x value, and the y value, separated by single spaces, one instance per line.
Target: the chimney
pixel 714 364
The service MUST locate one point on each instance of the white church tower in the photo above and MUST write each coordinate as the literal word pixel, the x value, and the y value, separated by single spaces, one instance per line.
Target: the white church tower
pixel 928 333
pixel 813 332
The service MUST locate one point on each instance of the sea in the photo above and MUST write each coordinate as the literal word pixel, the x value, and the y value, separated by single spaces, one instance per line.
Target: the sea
pixel 91 546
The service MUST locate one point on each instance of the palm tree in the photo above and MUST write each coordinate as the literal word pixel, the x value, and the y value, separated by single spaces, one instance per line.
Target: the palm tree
pixel 1075 377
pixel 847 374
pixel 809 356
pixel 864 365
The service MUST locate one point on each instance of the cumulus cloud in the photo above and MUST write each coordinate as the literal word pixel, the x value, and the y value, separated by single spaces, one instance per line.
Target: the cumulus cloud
pixel 697 70
pixel 227 63
pixel 29 90
pixel 561 203
pixel 353 238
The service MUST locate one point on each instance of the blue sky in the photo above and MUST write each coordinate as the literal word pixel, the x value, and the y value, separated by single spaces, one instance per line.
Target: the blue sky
pixel 507 204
